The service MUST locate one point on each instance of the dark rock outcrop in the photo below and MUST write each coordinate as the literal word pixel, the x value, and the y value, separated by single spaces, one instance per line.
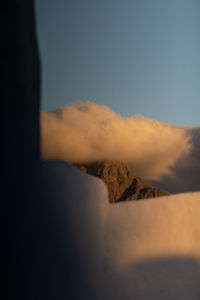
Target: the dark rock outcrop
pixel 121 181
pixel 20 151
pixel 38 256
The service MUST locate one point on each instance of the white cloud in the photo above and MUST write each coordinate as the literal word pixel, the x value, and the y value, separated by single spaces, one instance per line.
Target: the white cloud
pixel 164 154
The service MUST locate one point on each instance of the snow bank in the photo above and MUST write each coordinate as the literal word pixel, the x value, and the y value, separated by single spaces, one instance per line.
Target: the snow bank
pixel 133 250
pixel 153 249
pixel 78 208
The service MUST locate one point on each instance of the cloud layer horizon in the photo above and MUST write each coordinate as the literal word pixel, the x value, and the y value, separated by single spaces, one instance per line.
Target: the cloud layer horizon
pixel 165 155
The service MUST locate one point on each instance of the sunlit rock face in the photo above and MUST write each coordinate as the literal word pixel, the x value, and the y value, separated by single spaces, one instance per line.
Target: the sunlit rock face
pixel 130 250
pixel 122 183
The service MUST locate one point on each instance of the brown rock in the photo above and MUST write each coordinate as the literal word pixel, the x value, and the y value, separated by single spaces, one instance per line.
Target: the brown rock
pixel 121 181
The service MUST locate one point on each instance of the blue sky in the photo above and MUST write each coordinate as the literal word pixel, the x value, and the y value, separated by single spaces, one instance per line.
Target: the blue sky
pixel 135 56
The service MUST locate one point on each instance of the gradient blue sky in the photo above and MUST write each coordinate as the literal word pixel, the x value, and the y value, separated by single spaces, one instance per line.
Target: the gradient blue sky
pixel 135 56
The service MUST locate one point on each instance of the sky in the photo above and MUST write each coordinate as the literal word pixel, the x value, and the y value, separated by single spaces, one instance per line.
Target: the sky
pixel 134 56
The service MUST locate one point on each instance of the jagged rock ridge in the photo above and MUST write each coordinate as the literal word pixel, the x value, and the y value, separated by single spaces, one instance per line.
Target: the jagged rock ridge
pixel 122 183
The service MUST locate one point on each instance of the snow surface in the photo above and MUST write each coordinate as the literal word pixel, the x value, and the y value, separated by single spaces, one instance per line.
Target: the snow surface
pixel 148 249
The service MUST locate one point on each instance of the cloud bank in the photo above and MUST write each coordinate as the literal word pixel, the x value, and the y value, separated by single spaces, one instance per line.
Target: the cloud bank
pixel 164 154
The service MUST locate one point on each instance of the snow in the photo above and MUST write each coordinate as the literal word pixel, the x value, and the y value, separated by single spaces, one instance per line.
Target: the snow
pixel 148 249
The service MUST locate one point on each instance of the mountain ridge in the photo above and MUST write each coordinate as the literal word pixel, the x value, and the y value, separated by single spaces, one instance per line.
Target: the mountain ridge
pixel 122 183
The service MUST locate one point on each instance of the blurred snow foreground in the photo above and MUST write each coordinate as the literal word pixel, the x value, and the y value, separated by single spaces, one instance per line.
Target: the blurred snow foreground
pixel 132 250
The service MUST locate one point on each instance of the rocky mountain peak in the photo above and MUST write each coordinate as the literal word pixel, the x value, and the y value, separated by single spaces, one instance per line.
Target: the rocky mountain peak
pixel 122 183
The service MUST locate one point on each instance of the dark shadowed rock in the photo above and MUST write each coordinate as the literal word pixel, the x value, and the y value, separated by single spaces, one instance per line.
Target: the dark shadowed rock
pixel 21 204
pixel 122 183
